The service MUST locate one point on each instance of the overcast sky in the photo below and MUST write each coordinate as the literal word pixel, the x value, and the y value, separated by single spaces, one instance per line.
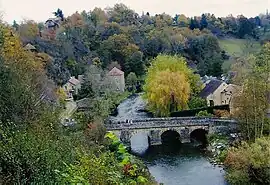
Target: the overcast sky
pixel 40 10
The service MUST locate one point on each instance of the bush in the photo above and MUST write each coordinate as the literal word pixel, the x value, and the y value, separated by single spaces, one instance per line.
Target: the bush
pixel 222 113
pixel 32 157
pixel 113 165
pixel 197 102
pixel 95 169
pixel 204 114
pixel 249 163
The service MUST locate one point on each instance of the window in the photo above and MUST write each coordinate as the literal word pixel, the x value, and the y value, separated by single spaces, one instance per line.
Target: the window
pixel 211 103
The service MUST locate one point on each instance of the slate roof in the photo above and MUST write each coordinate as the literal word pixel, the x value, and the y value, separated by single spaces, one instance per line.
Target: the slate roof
pixel 210 88
pixel 74 81
pixel 115 72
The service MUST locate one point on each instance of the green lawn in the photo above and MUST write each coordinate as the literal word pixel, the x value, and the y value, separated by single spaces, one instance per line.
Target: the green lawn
pixel 237 47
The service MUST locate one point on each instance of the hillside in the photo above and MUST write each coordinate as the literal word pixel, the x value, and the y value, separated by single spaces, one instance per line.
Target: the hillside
pixel 237 47
pixel 118 36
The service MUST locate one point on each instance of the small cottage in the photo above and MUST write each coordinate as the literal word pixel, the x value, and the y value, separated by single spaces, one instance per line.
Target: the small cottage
pixel 212 92
pixel 72 86
pixel 117 79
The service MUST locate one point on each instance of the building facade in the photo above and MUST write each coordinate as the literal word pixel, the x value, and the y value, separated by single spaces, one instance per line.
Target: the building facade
pixel 117 79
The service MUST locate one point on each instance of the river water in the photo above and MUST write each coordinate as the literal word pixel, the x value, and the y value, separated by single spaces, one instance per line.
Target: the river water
pixel 178 164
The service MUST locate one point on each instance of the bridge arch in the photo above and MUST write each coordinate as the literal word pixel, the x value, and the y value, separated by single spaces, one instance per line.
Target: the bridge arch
pixel 170 137
pixel 199 136
pixel 140 142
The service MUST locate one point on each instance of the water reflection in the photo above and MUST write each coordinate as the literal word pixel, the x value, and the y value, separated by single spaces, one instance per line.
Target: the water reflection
pixel 139 143
pixel 182 165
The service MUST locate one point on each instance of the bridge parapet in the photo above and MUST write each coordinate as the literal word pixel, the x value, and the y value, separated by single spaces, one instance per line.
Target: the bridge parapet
pixel 168 122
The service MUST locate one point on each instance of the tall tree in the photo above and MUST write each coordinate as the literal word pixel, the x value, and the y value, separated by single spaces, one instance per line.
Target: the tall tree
pixel 245 27
pixel 203 22
pixel 253 101
pixel 168 85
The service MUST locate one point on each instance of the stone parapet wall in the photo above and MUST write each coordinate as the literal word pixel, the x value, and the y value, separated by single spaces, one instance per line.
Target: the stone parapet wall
pixel 169 122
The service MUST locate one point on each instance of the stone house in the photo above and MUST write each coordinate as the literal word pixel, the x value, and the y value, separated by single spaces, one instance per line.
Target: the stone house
pixel 217 92
pixel 117 79
pixel 30 47
pixel 53 23
pixel 72 86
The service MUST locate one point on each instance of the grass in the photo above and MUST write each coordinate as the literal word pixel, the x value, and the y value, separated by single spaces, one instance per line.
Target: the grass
pixel 237 47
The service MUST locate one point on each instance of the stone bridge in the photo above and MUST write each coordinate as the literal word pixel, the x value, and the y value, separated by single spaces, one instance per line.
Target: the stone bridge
pixel 186 127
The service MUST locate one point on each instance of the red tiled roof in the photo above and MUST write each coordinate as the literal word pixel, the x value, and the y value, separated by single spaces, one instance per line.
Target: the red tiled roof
pixel 115 72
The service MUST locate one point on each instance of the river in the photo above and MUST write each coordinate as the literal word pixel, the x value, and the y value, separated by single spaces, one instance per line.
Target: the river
pixel 178 164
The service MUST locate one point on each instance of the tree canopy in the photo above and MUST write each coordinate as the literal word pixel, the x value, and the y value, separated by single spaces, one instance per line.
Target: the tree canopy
pixel 169 84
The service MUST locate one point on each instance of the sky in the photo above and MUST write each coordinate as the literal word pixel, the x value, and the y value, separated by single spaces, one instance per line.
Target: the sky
pixel 41 10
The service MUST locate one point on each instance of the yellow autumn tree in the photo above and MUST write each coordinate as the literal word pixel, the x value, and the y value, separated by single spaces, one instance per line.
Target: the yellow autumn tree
pixel 169 84
pixel 62 96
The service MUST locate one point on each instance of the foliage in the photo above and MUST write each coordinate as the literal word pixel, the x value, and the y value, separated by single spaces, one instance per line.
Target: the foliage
pixel 92 169
pixel 252 102
pixel 249 163
pixel 119 34
pixel 28 30
pixel 205 50
pixel 31 156
pixel 168 85
pixel 197 102
pixel 220 144
pixel 24 85
pixel 106 167
pixel 236 47
pixel 62 96
pixel 131 80
pixel 34 147
pixel 101 107
pixel 222 113
pixel 204 114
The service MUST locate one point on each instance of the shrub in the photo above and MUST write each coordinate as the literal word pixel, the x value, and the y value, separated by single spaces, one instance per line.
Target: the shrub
pixel 32 157
pixel 113 166
pixel 222 113
pixel 197 102
pixel 204 114
pixel 249 163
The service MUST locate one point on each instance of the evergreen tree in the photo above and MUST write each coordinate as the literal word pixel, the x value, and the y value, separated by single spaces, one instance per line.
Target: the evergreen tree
pixel 203 22
pixel 193 23
pixel 15 25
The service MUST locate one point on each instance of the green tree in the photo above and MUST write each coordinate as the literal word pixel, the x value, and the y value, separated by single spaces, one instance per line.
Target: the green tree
pixel 206 51
pixel 131 80
pixel 182 20
pixel 168 85
pixel 196 102
pixel 253 102
pixel 203 22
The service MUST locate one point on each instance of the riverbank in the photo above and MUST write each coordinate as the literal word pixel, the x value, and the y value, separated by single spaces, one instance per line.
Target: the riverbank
pixel 218 146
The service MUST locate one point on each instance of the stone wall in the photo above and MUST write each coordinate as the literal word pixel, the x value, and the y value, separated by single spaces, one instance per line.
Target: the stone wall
pixel 165 122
